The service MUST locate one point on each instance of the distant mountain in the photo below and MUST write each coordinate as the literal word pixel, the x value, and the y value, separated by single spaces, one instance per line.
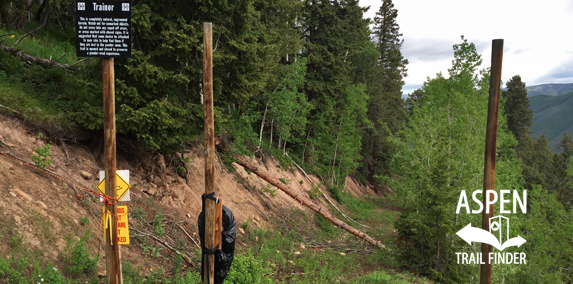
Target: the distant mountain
pixel 549 89
pixel 552 115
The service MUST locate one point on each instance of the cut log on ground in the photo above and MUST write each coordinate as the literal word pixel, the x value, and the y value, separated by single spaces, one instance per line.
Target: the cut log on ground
pixel 305 201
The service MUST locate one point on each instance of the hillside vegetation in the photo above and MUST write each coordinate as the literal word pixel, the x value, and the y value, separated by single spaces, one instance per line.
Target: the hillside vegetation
pixel 552 117
pixel 309 83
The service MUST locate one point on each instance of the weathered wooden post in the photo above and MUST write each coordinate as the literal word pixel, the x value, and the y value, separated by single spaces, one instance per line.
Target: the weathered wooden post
pixel 210 206
pixel 113 261
pixel 94 41
pixel 490 152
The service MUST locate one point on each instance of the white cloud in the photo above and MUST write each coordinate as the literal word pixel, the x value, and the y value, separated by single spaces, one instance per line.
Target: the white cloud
pixel 535 46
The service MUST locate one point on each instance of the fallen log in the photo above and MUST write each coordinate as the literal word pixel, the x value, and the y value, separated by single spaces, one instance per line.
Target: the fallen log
pixel 305 201
pixel 38 60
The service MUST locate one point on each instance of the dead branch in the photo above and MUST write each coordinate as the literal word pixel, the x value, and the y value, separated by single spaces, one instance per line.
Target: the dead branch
pixel 14 111
pixel 42 24
pixel 253 204
pixel 60 57
pixel 189 236
pixel 267 177
pixel 185 257
pixel 35 59
pixel 329 201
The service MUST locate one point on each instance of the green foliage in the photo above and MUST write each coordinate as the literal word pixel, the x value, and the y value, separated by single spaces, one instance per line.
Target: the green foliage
pixel 131 274
pixel 78 260
pixel 44 44
pixel 384 80
pixel 287 107
pixel 182 171
pixel 22 265
pixel 247 269
pixel 380 277
pixel 283 180
pixel 440 154
pixel 158 224
pixel 551 117
pixel 335 193
pixel 549 246
pixel 84 221
pixel 138 214
pixel 516 107
pixel 314 192
pixel 268 189
pixel 246 223
pixel 41 160
pixel 323 223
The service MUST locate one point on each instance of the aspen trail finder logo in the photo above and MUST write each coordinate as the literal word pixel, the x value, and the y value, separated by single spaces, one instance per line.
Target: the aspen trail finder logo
pixel 498 234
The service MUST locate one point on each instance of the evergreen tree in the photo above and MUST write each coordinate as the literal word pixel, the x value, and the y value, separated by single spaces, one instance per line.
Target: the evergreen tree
pixel 385 105
pixel 516 108
pixel 335 32
pixel 159 91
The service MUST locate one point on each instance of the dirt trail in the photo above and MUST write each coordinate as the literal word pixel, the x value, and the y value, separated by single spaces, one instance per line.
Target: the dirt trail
pixel 46 211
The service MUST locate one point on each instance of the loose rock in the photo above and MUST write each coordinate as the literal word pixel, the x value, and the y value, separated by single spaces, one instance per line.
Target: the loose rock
pixel 86 175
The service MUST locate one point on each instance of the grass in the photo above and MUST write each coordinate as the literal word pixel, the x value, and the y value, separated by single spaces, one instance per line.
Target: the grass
pixel 44 44
pixel 20 264
pixel 79 262
pixel 287 262
pixel 43 94
pixel 44 225
pixel 158 224
pixel 19 97
pixel 23 265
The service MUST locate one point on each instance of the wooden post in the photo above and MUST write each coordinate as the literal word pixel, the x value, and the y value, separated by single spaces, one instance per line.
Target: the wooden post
pixel 490 153
pixel 209 151
pixel 113 261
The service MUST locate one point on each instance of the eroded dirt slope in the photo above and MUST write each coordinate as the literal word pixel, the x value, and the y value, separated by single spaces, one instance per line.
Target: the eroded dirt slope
pixel 47 211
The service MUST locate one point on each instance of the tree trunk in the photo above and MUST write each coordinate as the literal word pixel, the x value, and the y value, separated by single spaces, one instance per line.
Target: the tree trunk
pixel 263 125
pixel 318 209
pixel 372 166
pixel 272 124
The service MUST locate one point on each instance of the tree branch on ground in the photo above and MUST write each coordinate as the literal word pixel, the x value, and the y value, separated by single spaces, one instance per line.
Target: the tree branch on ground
pixel 327 199
pixel 42 61
pixel 305 201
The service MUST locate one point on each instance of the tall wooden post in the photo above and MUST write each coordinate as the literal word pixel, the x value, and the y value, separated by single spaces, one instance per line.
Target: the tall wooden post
pixel 490 153
pixel 113 261
pixel 208 277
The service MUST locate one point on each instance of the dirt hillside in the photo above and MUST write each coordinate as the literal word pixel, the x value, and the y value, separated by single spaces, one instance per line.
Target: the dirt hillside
pixel 47 211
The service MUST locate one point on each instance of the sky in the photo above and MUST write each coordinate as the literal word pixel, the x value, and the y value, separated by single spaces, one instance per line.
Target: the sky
pixel 538 43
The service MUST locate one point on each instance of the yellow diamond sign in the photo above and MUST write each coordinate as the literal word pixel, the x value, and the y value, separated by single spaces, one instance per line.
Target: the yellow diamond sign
pixel 121 185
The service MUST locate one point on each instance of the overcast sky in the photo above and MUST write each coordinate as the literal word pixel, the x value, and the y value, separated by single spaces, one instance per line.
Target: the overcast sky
pixel 538 43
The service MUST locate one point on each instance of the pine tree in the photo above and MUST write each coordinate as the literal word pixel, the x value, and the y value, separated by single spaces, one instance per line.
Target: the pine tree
pixel 516 108
pixel 159 89
pixel 385 106
pixel 335 32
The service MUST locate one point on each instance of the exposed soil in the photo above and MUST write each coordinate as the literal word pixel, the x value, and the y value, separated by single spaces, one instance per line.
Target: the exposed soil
pixel 46 211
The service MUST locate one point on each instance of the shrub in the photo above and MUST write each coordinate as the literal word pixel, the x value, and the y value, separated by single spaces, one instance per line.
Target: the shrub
pixel 77 259
pixel 247 270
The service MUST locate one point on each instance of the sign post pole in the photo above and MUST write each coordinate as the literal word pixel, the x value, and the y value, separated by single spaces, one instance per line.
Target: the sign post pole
pixel 113 260
pixel 490 153
pixel 210 206
pixel 104 30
